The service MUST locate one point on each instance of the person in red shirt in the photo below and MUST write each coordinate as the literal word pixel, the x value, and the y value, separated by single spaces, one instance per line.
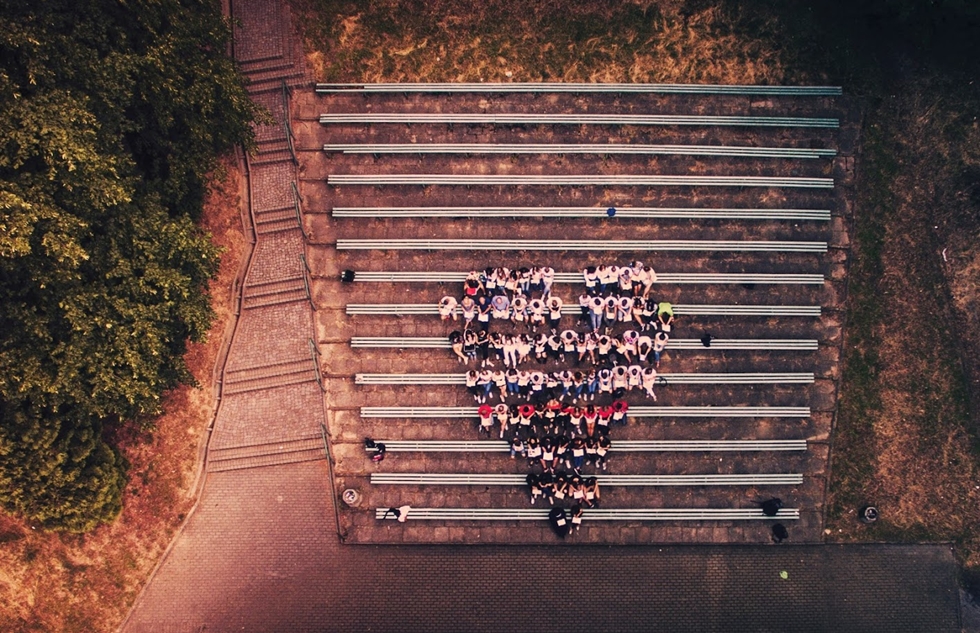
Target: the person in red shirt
pixel 590 416
pixel 485 411
pixel 619 407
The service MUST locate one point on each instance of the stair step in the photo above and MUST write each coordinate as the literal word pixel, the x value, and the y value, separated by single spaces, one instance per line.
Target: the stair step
pixel 276 209
pixel 308 442
pixel 266 80
pixel 268 146
pixel 260 461
pixel 271 382
pixel 267 371
pixel 266 288
pixel 269 158
pixel 274 300
pixel 298 80
pixel 266 64
pixel 267 217
pixel 278 226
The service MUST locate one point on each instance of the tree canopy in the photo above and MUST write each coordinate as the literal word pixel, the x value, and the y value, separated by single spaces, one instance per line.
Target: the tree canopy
pixel 115 114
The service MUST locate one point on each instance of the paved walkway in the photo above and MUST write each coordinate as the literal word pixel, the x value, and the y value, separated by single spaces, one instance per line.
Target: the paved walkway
pixel 260 552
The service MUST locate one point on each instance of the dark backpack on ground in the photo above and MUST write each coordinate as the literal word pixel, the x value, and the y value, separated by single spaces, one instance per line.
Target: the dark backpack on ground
pixel 779 532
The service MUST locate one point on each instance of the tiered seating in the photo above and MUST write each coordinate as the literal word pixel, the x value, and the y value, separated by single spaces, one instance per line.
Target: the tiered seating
pixel 819 215
pixel 681 309
pixel 585 245
pixel 801 345
pixel 573 278
pixel 635 412
pixel 581 180
pixel 581 88
pixel 657 446
pixel 666 378
pixel 438 146
pixel 479 118
pixel 596 514
pixel 584 148
pixel 500 479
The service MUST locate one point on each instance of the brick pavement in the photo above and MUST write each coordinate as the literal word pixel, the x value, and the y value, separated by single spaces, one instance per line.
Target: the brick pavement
pixel 261 551
pixel 270 561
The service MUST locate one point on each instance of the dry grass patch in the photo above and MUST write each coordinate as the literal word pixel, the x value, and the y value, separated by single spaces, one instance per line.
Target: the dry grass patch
pixel 52 582
pixel 906 441
pixel 455 41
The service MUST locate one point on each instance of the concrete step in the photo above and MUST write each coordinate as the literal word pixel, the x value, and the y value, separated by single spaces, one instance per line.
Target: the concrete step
pixel 271 459
pixel 281 156
pixel 266 64
pixel 269 376
pixel 265 289
pixel 267 80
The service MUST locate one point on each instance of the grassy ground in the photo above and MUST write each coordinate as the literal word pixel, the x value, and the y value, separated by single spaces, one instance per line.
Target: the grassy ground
pixel 85 583
pixel 497 40
pixel 905 439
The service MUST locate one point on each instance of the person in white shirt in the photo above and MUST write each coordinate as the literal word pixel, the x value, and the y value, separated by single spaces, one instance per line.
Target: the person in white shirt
pixel 643 279
pixel 604 345
pixel 518 310
pixel 597 306
pixel 568 340
pixel 659 344
pixel 537 280
pixel 625 280
pixel 583 305
pixel 620 378
pixel 608 277
pixel 523 348
pixel 541 348
pixel 523 381
pixel 510 351
pixel 580 348
pixel 469 309
pixel 638 305
pixel 624 309
pixel 548 279
pixel 447 308
pixel 612 311
pixel 554 312
pixel 634 374
pixel 536 309
pixel 649 379
pixel 591 280
pixel 605 380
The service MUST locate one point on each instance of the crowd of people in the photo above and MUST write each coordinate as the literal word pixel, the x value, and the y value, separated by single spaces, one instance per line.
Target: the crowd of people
pixel 614 294
pixel 565 385
pixel 588 422
pixel 512 350
pixel 559 421
pixel 596 360
pixel 559 418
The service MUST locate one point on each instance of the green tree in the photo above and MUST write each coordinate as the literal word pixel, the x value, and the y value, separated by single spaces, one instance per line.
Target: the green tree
pixel 59 474
pixel 115 114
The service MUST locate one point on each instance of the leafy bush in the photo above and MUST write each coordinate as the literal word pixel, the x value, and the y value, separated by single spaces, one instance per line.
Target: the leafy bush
pixel 114 115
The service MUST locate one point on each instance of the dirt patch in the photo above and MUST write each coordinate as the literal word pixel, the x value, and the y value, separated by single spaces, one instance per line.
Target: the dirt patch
pixel 84 583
